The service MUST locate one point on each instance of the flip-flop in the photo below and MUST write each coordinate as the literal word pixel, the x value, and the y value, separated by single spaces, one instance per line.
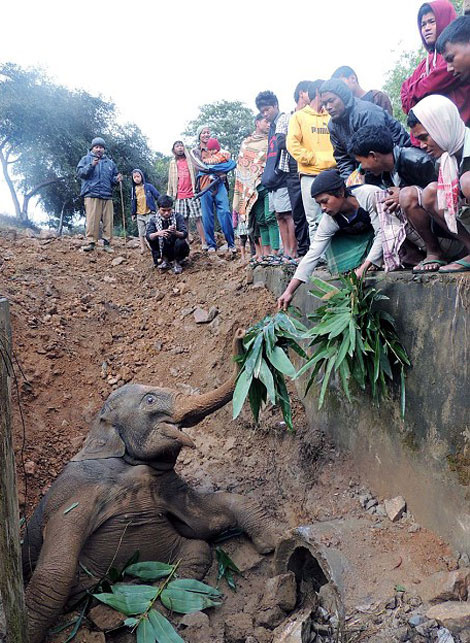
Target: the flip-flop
pixel 465 266
pixel 419 269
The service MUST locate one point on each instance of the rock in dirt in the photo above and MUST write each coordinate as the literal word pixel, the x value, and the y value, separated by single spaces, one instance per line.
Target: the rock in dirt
pixel 464 560
pixel 297 630
pixel 246 557
pixel 202 316
pixel 30 468
pixel 446 586
pixel 280 591
pixel 117 261
pixel 105 618
pixel 452 615
pixel 270 617
pixel 237 627
pixel 195 620
pixel 395 507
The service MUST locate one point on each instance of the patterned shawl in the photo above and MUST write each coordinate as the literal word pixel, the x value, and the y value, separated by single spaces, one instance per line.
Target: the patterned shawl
pixel 159 225
pixel 250 166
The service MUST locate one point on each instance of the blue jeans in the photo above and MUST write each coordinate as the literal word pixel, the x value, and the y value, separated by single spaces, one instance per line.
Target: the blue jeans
pixel 220 199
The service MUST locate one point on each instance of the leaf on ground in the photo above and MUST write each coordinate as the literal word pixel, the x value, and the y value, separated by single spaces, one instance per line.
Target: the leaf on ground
pixel 149 570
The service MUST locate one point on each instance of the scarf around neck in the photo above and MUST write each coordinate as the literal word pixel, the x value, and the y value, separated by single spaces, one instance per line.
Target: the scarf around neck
pixel 441 119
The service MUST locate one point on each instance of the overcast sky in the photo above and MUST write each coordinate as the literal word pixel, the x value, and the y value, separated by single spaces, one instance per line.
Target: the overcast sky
pixel 159 62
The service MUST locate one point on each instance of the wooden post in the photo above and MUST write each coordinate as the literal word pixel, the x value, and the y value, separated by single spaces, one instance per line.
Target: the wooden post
pixel 11 575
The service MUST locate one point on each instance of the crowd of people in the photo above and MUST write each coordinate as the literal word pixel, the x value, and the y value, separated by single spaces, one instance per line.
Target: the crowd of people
pixel 337 180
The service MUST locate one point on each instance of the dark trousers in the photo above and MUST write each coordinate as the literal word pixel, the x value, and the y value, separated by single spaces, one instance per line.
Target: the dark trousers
pixel 174 249
pixel 298 212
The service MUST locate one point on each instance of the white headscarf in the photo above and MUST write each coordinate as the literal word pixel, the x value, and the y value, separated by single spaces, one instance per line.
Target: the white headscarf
pixel 441 119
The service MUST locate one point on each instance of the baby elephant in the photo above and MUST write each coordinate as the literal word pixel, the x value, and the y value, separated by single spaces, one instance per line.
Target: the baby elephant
pixel 120 494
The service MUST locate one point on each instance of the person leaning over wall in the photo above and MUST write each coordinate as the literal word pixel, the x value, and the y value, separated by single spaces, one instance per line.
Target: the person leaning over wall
pixel 436 123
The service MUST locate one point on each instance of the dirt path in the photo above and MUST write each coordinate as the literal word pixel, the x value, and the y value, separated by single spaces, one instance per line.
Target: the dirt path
pixel 82 327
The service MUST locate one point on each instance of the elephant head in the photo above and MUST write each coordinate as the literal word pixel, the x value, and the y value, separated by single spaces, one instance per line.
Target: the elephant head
pixel 142 424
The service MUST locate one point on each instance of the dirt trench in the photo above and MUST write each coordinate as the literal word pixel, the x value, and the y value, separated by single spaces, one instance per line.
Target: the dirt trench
pixel 83 326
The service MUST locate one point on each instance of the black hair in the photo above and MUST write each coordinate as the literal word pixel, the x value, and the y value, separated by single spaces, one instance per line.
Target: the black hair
pixel 344 72
pixel 165 201
pixel 411 121
pixel 423 10
pixel 175 143
pixel 371 139
pixel 313 88
pixel 457 32
pixel 259 117
pixel 266 99
pixel 301 87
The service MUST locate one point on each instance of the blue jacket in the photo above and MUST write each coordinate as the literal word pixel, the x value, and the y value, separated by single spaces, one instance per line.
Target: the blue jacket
pixel 151 194
pixel 97 181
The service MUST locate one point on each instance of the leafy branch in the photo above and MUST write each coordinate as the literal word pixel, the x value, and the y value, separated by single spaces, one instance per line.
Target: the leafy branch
pixel 265 363
pixel 352 337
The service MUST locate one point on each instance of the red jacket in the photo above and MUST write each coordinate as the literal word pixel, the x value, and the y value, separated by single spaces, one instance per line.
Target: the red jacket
pixel 431 75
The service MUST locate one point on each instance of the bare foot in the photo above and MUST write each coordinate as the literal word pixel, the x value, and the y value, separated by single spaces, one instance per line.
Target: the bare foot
pixel 432 263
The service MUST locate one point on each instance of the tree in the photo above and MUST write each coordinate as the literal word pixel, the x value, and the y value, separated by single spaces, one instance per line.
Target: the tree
pixel 44 131
pixel 230 122
pixel 394 78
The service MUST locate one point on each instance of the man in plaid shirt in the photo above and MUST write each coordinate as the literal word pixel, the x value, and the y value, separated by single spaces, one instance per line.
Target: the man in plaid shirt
pixel 181 186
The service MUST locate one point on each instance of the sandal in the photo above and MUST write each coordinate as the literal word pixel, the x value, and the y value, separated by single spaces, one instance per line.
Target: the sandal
pixel 461 262
pixel 420 269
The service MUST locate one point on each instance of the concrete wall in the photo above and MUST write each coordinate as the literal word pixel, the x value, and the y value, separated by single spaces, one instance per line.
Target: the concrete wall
pixel 426 458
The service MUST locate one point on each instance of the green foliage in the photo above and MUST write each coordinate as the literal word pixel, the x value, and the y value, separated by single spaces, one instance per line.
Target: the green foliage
pixel 230 122
pixel 183 596
pixel 402 69
pixel 265 363
pixel 226 568
pixel 352 337
pixel 44 131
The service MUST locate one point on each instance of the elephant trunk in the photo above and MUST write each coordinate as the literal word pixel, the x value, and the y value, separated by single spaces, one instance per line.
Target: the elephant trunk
pixel 191 410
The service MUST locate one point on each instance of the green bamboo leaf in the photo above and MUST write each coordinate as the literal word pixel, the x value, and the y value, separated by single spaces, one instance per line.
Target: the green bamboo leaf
pixel 241 391
pixel 266 377
pixel 131 621
pixel 402 393
pixel 343 349
pixel 352 337
pixel 196 586
pixel 323 286
pixel 377 354
pixel 124 604
pixel 258 363
pixel 145 633
pixel 149 570
pixel 142 592
pixel 163 629
pixel 186 602
pixel 284 401
pixel 326 379
pixel 253 355
pixel 256 397
pixel 298 349
pixel 345 374
pixel 281 362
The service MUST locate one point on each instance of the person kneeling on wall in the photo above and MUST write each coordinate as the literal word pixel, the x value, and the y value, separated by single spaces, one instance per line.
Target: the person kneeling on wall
pixel 167 234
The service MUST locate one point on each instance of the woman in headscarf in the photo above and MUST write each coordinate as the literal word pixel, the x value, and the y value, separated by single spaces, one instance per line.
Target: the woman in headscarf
pixel 436 123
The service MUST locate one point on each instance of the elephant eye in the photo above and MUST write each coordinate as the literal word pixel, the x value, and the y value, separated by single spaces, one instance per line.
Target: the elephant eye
pixel 150 399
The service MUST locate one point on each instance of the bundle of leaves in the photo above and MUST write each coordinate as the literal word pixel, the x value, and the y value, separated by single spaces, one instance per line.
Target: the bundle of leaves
pixel 265 363
pixel 137 602
pixel 352 337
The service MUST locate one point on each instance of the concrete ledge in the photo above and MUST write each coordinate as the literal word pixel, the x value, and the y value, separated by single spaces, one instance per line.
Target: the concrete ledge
pixel 426 458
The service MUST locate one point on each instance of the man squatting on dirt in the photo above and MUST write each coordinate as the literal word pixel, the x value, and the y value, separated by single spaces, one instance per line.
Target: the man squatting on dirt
pixel 167 234
pixel 99 175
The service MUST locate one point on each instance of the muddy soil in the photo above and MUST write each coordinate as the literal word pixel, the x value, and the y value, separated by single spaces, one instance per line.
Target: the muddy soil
pixel 83 326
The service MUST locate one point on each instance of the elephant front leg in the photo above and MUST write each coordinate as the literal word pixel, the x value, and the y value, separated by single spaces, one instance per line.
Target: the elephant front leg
pixel 195 557
pixel 248 515
pixel 206 516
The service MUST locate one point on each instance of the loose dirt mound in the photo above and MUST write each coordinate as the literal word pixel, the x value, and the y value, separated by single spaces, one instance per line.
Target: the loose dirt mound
pixel 83 326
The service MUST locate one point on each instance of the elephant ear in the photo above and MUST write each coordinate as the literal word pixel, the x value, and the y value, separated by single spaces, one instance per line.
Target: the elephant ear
pixel 102 442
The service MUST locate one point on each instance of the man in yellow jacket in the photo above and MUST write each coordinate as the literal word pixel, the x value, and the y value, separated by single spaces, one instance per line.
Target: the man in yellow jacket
pixel 308 141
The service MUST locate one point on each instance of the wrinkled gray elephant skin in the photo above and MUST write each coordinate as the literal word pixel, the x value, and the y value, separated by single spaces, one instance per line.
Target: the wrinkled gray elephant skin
pixel 126 497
